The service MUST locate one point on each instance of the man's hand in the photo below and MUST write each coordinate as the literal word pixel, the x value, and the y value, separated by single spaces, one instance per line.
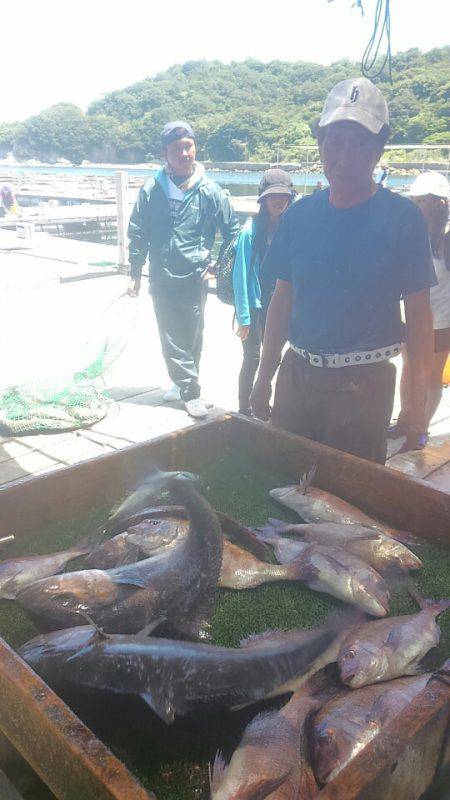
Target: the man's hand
pixel 242 332
pixel 260 399
pixel 134 287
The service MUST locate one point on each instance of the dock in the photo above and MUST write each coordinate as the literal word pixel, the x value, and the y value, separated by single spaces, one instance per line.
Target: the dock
pixel 54 290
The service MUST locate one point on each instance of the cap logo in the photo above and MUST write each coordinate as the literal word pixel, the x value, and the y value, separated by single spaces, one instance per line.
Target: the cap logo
pixel 354 94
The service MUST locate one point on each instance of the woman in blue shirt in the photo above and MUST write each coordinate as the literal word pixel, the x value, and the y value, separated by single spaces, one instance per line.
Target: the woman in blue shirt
pixel 252 292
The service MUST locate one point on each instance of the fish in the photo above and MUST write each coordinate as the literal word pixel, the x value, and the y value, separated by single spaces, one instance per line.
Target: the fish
pixel 144 538
pixel 272 757
pixel 346 724
pixel 381 650
pixel 234 530
pixel 380 551
pixel 173 676
pixel 316 505
pixel 334 571
pixel 17 573
pixel 176 586
pixel 241 570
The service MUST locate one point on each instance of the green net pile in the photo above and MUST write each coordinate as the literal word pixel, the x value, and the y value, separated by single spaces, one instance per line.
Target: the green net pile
pixel 70 401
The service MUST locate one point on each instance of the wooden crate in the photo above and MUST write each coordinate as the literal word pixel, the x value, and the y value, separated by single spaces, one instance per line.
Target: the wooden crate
pixel 398 765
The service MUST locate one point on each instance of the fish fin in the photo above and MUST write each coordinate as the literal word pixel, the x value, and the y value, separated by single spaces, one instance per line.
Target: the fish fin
pixel 298 570
pixel 217 773
pixel 148 629
pixel 262 788
pixel 307 478
pixel 304 570
pixel 416 669
pixel 160 705
pixel 405 537
pixel 133 581
pixel 394 640
pixel 380 710
pixel 8 592
pixel 274 637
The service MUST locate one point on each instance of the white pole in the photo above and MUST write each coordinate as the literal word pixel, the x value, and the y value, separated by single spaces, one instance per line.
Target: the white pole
pixel 122 217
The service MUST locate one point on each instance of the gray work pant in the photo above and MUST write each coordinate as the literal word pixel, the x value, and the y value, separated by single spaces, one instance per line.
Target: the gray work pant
pixel 179 309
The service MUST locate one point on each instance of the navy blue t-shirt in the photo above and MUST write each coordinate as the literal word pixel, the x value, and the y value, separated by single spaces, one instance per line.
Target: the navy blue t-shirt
pixel 349 268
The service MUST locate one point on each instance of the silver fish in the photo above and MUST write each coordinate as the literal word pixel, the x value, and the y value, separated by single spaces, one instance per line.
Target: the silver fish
pixel 172 677
pixel 142 539
pixel 316 505
pixel 176 586
pixel 380 551
pixel 17 573
pixel 344 727
pixel 332 570
pixel 389 648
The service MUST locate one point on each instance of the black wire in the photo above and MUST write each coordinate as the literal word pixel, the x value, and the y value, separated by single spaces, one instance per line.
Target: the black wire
pixel 371 67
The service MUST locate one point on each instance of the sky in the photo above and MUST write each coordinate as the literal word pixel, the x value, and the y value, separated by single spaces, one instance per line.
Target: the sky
pixel 75 51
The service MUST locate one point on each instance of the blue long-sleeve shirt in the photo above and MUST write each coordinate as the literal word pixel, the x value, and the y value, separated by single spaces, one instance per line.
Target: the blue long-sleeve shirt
pixel 246 284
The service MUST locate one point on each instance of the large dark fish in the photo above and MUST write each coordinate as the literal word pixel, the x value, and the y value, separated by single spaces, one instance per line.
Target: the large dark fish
pixel 176 586
pixel 17 573
pixel 316 505
pixel 389 648
pixel 348 723
pixel 335 571
pixel 380 551
pixel 272 758
pixel 172 677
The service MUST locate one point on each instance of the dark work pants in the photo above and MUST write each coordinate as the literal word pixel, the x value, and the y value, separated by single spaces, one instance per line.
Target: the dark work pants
pixel 348 408
pixel 252 353
pixel 179 310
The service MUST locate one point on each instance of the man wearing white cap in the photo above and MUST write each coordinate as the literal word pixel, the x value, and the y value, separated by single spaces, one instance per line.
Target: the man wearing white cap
pixel 431 192
pixel 343 259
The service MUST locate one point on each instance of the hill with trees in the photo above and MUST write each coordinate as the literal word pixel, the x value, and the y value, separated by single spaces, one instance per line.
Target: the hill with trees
pixel 240 111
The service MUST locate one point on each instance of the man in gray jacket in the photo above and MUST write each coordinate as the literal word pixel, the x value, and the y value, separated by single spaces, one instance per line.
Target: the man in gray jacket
pixel 174 223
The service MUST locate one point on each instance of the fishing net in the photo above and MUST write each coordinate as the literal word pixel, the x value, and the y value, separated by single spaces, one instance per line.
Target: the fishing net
pixel 71 401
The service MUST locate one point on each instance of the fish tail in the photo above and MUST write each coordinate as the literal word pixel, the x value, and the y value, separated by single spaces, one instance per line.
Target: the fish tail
pixel 440 606
pixel 307 478
pixel 437 606
pixel 267 534
pixel 280 526
pixel 217 772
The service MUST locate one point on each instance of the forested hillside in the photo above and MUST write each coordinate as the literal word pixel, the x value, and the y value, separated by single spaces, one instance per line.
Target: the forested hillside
pixel 241 111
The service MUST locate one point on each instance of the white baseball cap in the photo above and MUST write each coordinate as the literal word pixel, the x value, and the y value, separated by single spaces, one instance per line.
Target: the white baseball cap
pixel 358 100
pixel 430 183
